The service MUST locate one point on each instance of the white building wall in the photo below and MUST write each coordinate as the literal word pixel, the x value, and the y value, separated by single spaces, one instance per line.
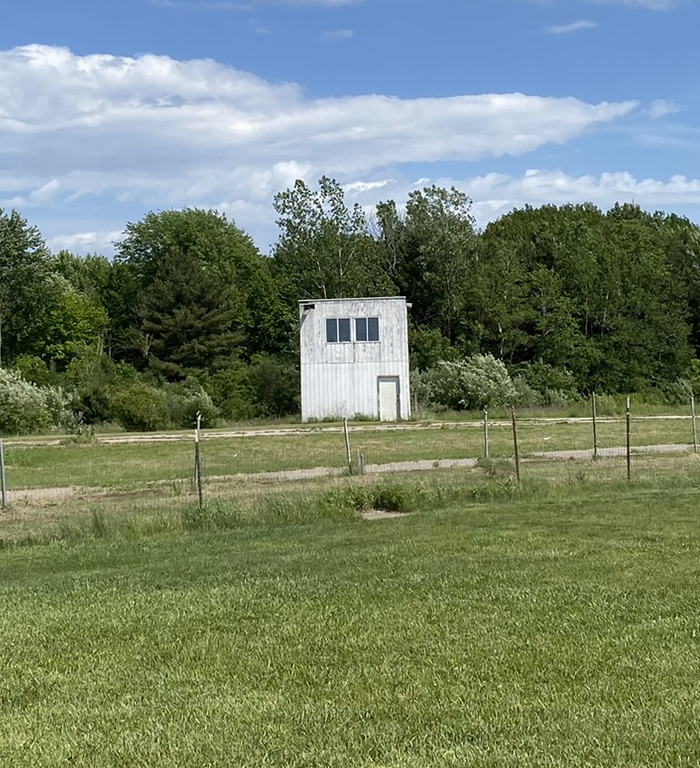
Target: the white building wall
pixel 341 379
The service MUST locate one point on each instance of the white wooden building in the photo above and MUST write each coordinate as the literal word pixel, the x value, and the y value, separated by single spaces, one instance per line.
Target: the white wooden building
pixel 354 358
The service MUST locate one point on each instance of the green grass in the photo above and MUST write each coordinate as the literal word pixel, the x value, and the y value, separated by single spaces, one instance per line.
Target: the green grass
pixel 135 464
pixel 552 626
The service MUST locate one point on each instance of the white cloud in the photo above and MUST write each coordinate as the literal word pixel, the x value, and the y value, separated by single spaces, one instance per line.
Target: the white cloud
pixel 158 129
pixel 495 194
pixel 575 26
pixel 339 34
pixel 155 132
pixel 662 107
pixel 84 242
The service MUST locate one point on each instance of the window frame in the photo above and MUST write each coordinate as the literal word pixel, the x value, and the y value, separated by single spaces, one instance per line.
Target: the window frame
pixel 353 335
pixel 366 322
pixel 336 321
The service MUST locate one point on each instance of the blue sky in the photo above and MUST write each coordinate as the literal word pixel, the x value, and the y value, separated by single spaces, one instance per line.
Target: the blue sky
pixel 111 109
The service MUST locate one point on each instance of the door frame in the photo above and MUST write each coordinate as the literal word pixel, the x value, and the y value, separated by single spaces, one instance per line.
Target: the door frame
pixel 397 381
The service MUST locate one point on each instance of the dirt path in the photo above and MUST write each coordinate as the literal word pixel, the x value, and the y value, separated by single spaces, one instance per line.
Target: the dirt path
pixel 49 496
pixel 174 437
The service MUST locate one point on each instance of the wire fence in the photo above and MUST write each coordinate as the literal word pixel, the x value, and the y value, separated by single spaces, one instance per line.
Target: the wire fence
pixel 627 447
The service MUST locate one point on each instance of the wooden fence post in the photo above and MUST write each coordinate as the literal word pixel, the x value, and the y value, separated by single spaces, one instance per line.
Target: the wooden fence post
pixel 628 419
pixel 594 411
pixel 3 478
pixel 348 452
pixel 515 444
pixel 695 423
pixel 198 460
pixel 487 451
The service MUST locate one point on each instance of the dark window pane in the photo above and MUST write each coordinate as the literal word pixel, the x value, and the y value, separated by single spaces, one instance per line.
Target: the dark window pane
pixel 360 329
pixel 373 329
pixel 344 329
pixel 332 330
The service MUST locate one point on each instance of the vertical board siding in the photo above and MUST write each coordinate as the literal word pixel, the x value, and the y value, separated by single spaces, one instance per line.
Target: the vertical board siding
pixel 340 379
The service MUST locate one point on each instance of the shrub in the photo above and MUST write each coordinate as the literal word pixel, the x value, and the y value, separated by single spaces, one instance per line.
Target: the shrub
pixel 92 376
pixel 428 347
pixel 33 369
pixel 140 407
pixel 26 408
pixel 187 400
pixel 555 386
pixel 275 385
pixel 231 392
pixel 473 383
pixel 525 395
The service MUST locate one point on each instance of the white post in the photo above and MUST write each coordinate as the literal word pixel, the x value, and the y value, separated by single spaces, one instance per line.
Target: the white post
pixel 198 459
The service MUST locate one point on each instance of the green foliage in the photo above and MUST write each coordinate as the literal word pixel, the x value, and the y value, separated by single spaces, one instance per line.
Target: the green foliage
pixel 384 497
pixel 230 389
pixel 275 385
pixel 548 385
pixel 570 298
pixel 428 347
pixel 71 321
pixel 140 407
pixel 325 248
pixel 26 408
pixel 25 286
pixel 473 383
pixel 189 319
pixel 430 254
pixel 219 254
pixel 33 369
pixel 188 399
pixel 92 376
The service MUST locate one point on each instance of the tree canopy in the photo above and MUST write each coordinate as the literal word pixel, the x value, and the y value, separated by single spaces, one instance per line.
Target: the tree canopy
pixel 568 298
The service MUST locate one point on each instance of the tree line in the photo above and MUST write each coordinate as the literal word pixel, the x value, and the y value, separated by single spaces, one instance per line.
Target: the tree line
pixel 188 315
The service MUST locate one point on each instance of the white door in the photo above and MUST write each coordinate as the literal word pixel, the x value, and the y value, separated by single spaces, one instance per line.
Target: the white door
pixel 388 398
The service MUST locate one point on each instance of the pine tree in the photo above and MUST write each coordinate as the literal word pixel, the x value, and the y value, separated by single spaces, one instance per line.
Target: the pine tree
pixel 188 320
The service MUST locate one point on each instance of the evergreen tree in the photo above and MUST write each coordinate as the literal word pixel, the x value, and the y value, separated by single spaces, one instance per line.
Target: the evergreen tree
pixel 188 319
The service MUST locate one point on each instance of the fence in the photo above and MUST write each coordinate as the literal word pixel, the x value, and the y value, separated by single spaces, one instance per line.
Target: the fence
pixel 315 451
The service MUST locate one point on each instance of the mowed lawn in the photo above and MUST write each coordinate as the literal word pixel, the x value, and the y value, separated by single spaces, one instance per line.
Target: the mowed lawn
pixel 124 465
pixel 562 632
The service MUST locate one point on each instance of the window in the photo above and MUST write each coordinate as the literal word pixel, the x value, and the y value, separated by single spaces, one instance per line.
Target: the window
pixel 338 330
pixel 366 329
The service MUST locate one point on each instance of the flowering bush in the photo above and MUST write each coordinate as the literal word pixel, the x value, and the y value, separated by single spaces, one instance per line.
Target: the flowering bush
pixel 24 407
pixel 469 384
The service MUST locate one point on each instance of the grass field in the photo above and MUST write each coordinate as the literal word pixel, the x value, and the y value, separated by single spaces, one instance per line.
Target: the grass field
pixel 135 464
pixel 554 624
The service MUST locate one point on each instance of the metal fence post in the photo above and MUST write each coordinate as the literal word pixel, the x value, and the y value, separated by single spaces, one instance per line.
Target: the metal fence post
pixel 628 419
pixel 348 452
pixel 594 411
pixel 3 478
pixel 515 444
pixel 487 452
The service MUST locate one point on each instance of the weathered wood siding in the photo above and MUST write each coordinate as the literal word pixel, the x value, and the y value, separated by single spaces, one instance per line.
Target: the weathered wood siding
pixel 342 379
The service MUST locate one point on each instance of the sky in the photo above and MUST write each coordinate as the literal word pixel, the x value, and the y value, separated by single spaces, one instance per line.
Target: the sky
pixel 110 109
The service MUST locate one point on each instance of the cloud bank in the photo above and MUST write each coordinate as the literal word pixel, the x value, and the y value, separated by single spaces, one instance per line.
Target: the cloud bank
pixel 161 132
